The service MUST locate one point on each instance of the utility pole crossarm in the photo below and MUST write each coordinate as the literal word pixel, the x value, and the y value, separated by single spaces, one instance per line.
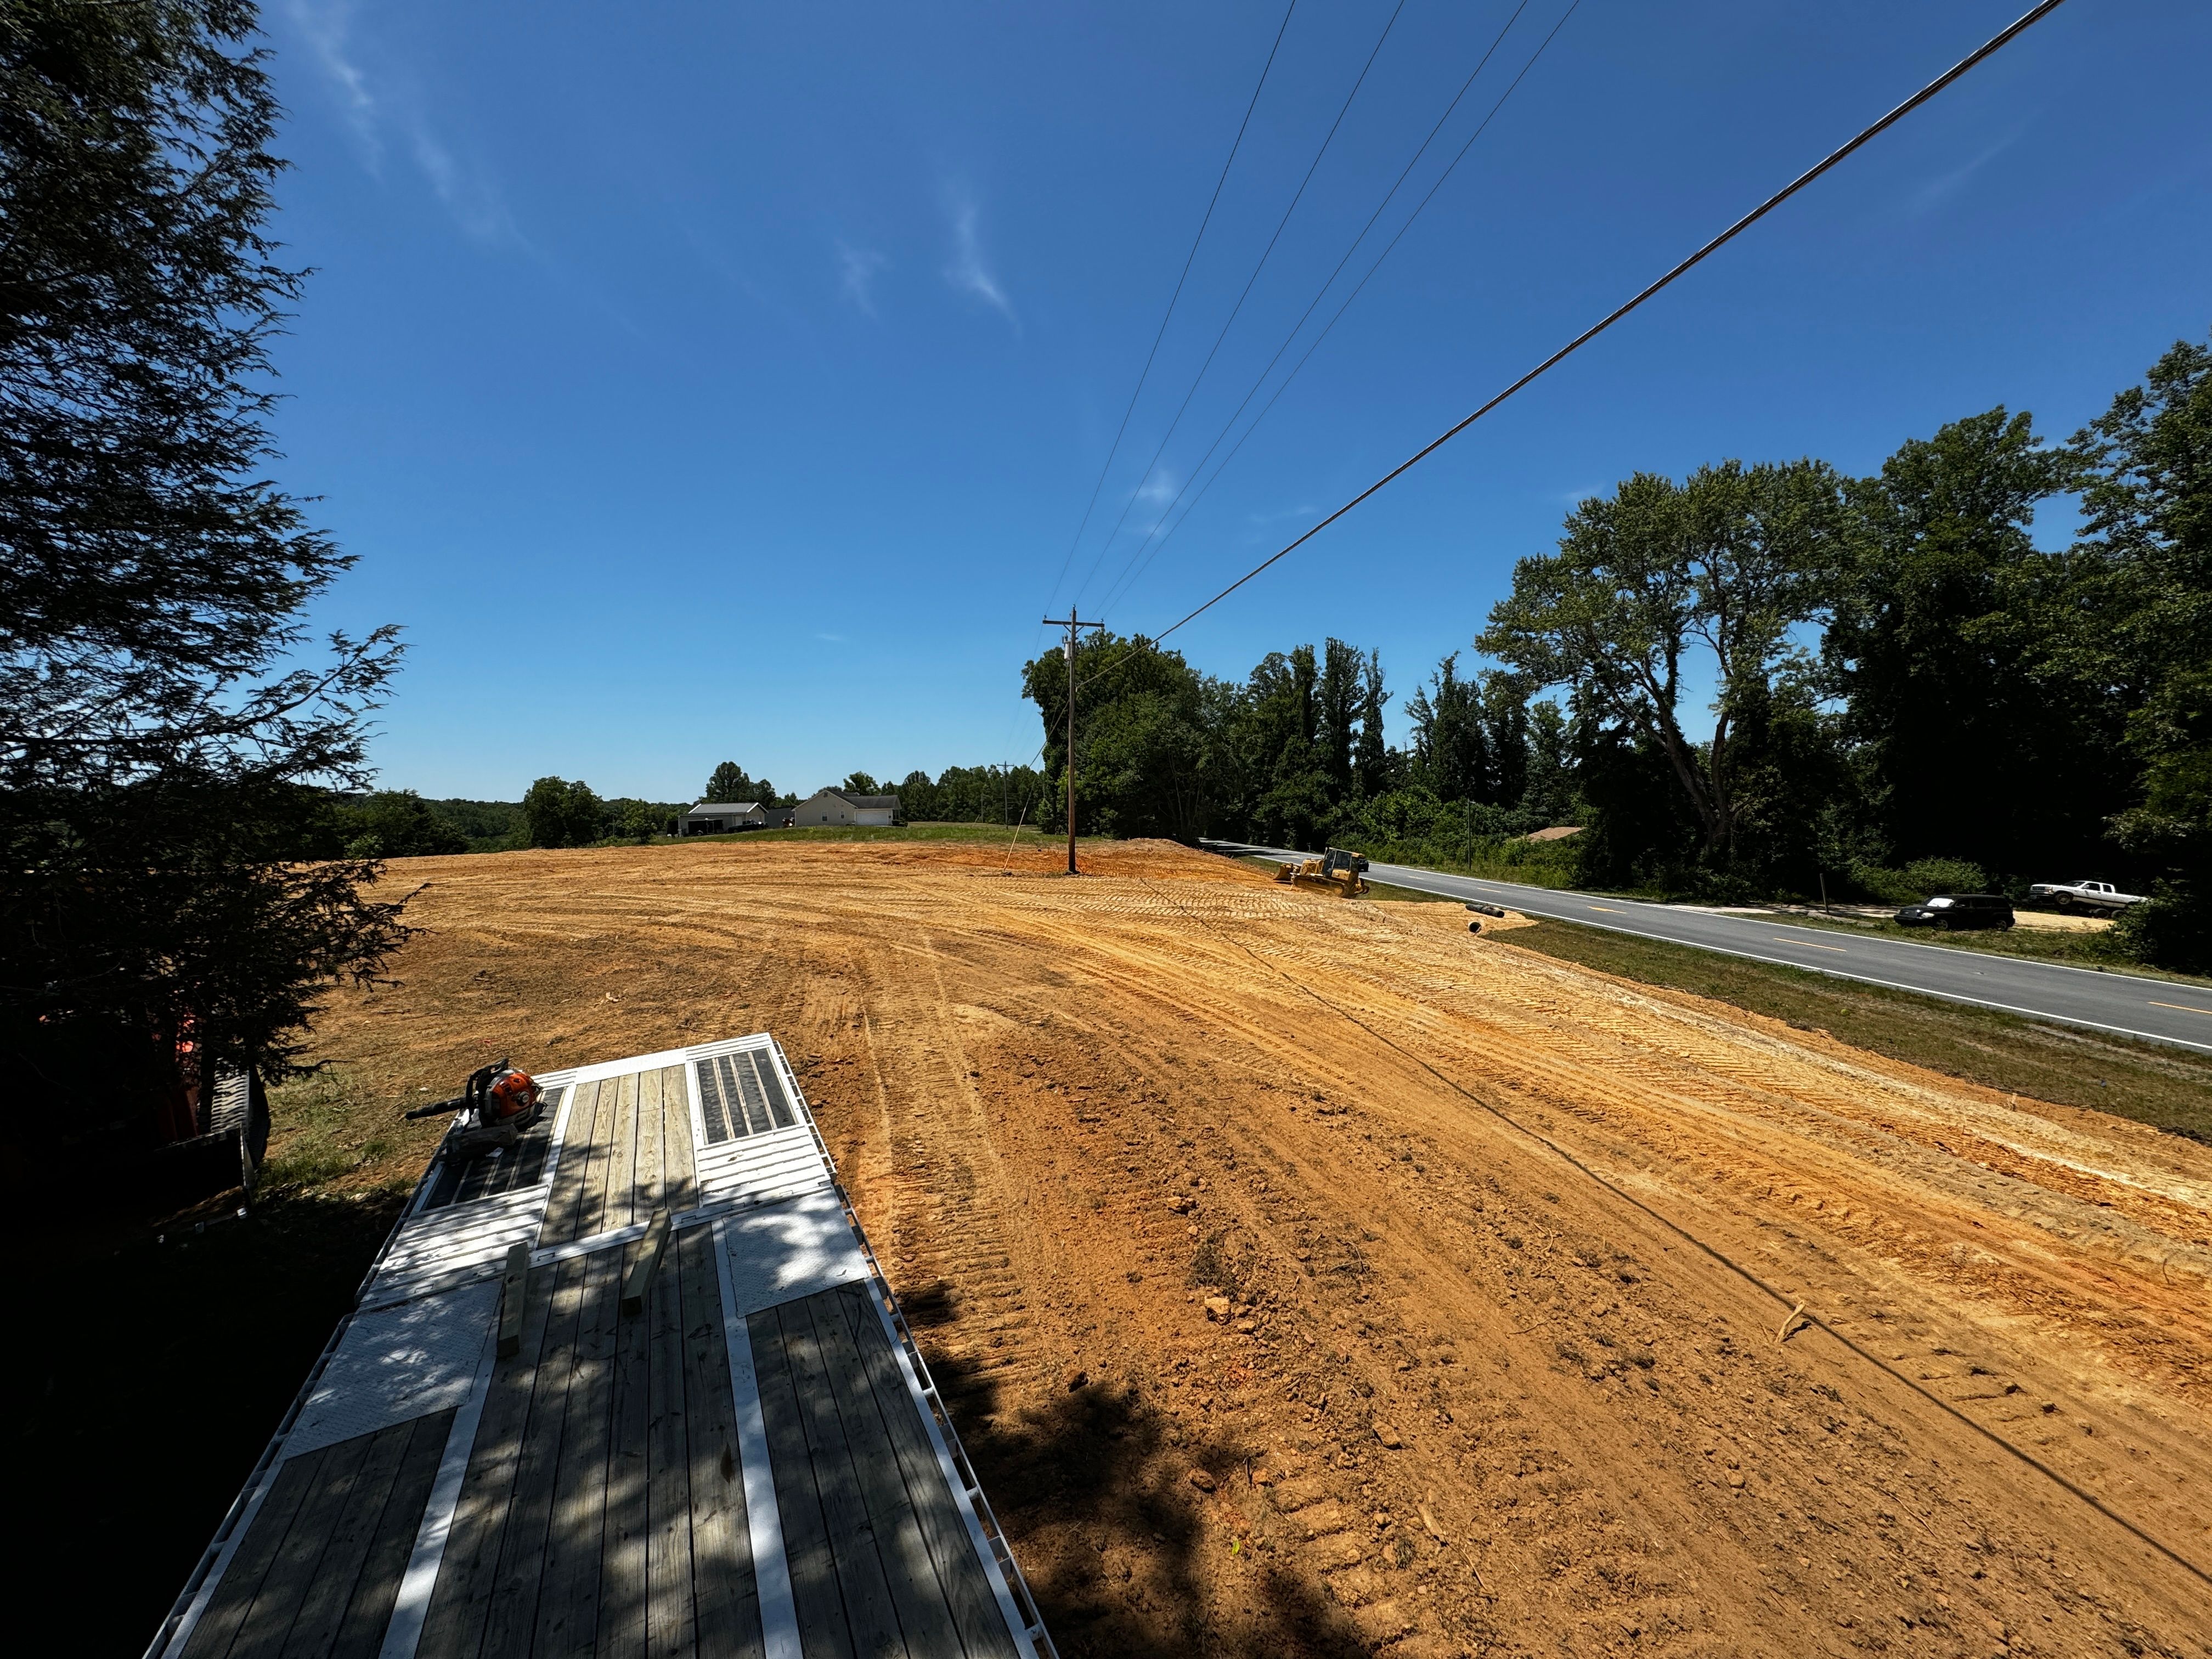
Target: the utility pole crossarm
pixel 1071 623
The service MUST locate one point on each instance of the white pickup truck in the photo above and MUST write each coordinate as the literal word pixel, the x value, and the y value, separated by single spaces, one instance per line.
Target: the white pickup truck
pixel 2084 895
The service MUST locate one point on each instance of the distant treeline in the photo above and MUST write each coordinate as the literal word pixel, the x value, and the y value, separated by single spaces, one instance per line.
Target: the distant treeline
pixel 1907 691
pixel 391 824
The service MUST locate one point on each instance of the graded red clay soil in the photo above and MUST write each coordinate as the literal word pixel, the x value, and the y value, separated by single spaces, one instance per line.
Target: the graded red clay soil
pixel 1458 1391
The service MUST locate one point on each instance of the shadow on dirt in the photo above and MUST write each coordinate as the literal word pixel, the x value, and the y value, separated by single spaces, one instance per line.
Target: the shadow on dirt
pixel 145 1387
pixel 1111 1532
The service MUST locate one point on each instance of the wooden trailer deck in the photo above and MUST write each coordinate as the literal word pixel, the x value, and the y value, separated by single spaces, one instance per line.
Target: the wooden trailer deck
pixel 750 1460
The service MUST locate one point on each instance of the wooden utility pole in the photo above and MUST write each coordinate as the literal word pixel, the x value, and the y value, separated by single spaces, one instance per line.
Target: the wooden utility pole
pixel 1071 623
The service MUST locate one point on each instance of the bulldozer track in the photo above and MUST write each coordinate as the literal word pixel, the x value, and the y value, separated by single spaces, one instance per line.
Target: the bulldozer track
pixel 1450 1396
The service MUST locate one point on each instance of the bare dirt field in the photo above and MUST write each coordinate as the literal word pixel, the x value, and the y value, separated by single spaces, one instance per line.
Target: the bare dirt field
pixel 1271 1333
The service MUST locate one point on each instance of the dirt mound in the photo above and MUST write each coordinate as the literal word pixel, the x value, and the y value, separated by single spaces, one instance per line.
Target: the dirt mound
pixel 1272 1332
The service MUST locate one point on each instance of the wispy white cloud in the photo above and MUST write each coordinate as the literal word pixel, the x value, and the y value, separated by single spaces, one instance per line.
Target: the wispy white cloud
pixel 381 105
pixel 856 274
pixel 324 28
pixel 1158 489
pixel 832 639
pixel 1944 186
pixel 970 272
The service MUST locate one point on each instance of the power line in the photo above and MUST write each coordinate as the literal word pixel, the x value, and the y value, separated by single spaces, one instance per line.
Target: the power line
pixel 2000 39
pixel 1281 224
pixel 1142 560
pixel 1212 202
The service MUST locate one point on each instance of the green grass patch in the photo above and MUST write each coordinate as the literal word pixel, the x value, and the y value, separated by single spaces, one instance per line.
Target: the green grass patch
pixel 323 1127
pixel 1382 889
pixel 2168 1088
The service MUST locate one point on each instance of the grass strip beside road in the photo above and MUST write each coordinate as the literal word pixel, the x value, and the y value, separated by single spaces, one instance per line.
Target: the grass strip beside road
pixel 2098 951
pixel 2168 1088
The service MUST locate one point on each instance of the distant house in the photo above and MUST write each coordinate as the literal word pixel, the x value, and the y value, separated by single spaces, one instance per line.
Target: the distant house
pixel 719 817
pixel 836 807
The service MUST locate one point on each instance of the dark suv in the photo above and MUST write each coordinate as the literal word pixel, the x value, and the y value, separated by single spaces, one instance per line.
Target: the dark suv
pixel 1955 911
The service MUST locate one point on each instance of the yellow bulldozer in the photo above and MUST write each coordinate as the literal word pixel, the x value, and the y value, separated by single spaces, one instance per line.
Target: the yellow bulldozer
pixel 1342 872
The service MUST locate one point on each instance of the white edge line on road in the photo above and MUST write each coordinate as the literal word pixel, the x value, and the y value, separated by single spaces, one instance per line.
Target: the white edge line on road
pixel 1833 973
pixel 1886 984
pixel 1917 990
pixel 2029 962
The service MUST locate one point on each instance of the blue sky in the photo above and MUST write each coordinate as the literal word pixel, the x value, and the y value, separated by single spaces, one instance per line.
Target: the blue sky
pixel 701 382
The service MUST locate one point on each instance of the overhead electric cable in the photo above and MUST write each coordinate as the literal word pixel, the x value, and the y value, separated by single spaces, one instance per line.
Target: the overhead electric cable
pixel 1211 202
pixel 1329 138
pixel 2012 31
pixel 1140 560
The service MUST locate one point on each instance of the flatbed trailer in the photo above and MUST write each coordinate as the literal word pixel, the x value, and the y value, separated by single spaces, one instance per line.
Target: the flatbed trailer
pixel 636 1386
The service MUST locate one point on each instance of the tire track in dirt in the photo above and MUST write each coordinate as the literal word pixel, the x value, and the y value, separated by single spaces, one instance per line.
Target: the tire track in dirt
pixel 1069 1112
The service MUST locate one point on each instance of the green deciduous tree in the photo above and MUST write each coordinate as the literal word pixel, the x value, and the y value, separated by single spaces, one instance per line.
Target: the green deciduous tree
pixel 558 813
pixel 1147 762
pixel 398 824
pixel 2148 499
pixel 728 786
pixel 1954 647
pixel 1732 560
pixel 162 747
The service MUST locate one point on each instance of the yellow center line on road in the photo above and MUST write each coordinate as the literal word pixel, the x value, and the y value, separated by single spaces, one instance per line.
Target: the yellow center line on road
pixel 1807 944
pixel 2183 1006
pixel 1608 909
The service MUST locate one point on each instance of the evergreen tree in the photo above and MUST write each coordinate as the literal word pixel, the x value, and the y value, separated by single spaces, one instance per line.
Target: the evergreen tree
pixel 158 738
pixel 1451 748
pixel 1337 694
pixel 1372 763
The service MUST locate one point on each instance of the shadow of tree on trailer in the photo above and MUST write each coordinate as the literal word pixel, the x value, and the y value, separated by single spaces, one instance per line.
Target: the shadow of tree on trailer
pixel 1097 1466
pixel 160 1372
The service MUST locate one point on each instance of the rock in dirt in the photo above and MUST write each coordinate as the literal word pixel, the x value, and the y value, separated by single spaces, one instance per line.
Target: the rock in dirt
pixel 1201 1479
pixel 1076 1379
pixel 1217 1308
pixel 1388 1436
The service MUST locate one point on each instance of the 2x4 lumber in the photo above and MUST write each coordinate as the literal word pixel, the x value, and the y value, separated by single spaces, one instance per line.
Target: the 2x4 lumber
pixel 461 1602
pixel 514 1300
pixel 637 1285
pixel 727 1603
pixel 925 1609
pixel 974 1608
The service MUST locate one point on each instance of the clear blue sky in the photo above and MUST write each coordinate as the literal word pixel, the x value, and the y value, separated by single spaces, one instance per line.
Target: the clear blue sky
pixel 700 382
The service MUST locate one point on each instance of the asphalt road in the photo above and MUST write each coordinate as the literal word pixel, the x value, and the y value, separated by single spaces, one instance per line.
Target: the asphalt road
pixel 2126 1004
